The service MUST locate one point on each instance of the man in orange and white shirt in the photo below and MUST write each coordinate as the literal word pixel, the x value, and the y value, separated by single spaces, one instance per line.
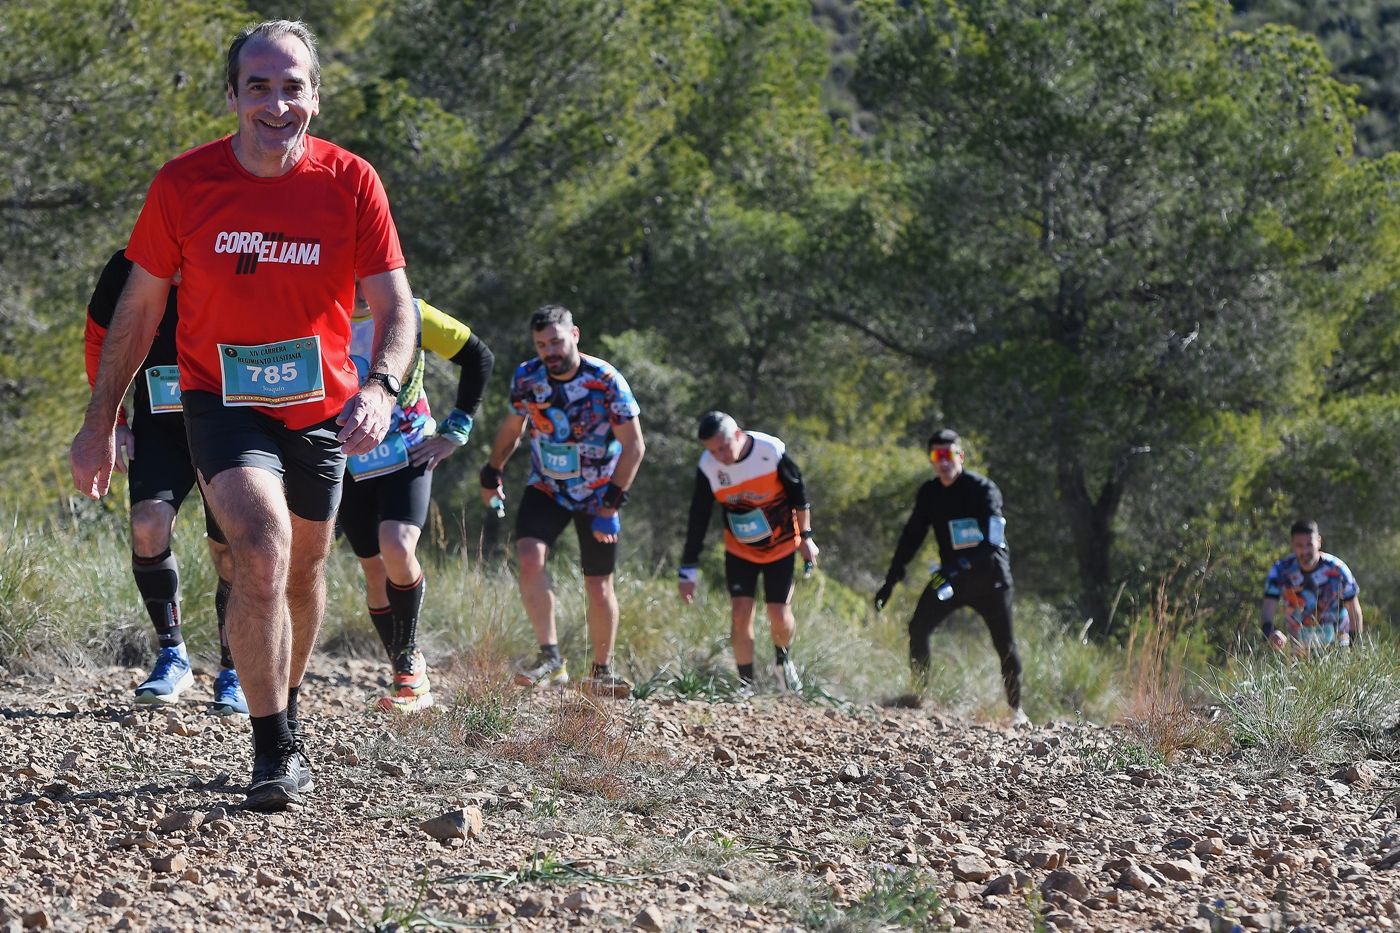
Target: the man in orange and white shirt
pixel 768 522
pixel 268 228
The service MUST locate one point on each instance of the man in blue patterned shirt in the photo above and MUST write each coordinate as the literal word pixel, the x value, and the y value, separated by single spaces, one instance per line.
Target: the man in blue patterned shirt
pixel 585 447
pixel 1318 592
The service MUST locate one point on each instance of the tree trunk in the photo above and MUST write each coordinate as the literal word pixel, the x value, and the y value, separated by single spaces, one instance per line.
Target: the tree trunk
pixel 1091 527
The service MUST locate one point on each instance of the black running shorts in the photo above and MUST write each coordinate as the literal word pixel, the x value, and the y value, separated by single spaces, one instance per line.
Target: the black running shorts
pixel 161 469
pixel 539 516
pixel 741 577
pixel 310 462
pixel 401 496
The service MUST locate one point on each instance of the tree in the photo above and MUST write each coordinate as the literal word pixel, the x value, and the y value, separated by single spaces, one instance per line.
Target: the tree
pixel 94 96
pixel 1362 40
pixel 664 168
pixel 1119 221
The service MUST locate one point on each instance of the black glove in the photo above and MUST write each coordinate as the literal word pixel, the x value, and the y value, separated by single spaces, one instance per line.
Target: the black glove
pixel 882 595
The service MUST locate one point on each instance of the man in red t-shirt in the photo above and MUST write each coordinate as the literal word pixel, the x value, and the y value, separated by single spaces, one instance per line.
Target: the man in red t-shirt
pixel 269 229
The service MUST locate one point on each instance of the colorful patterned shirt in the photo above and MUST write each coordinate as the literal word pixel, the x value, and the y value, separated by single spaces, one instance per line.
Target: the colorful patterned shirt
pixel 572 448
pixel 1312 600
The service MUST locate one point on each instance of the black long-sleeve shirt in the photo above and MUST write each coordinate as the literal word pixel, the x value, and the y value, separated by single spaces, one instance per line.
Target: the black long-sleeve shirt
pixel 960 516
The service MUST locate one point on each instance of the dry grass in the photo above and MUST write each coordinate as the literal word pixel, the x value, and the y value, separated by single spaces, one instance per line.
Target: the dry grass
pixel 564 740
pixel 1160 713
pixel 587 745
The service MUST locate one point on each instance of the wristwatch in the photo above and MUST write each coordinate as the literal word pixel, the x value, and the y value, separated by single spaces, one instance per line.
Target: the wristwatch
pixel 388 380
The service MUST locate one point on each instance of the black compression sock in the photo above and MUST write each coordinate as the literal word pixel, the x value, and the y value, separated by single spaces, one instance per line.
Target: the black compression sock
pixel 746 672
pixel 551 652
pixel 407 603
pixel 292 698
pixel 158 580
pixel 383 619
pixel 221 611
pixel 780 654
pixel 269 734
pixel 602 670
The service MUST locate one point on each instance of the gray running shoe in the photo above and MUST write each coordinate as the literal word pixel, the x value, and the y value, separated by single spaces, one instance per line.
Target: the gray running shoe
pixel 788 681
pixel 546 671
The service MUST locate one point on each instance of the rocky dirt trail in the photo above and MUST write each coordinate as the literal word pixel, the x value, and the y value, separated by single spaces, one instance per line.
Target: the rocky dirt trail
pixel 554 811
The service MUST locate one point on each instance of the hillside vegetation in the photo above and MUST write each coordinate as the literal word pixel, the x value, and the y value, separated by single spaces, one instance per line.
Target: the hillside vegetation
pixel 1133 251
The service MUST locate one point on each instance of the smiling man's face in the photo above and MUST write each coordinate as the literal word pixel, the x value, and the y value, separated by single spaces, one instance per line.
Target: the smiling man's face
pixel 275 101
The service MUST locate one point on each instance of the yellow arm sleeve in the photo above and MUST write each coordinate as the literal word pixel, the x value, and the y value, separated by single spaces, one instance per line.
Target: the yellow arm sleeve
pixel 443 334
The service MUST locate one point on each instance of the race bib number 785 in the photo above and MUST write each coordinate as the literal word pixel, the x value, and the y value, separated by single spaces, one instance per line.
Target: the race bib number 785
pixel 272 375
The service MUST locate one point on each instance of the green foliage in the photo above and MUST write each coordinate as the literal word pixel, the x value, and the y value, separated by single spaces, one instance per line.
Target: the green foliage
pixel 1150 215
pixel 94 96
pixel 905 898
pixel 1126 248
pixel 1362 40
pixel 1338 704
pixel 710 684
pixel 53 603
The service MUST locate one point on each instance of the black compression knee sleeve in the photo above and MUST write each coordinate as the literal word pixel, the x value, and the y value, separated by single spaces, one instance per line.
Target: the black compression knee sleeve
pixel 158 580
pixel 383 619
pixel 407 603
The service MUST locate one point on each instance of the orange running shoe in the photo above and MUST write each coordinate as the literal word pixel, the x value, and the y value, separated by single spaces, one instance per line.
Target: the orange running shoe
pixel 412 691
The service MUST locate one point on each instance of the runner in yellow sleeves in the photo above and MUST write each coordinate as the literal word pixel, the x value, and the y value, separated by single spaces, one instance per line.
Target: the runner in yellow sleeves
pixel 387 489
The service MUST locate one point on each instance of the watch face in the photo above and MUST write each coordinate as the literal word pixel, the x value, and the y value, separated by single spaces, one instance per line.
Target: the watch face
pixel 389 382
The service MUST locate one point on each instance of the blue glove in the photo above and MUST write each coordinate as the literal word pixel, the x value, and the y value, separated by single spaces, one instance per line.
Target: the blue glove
pixel 607 526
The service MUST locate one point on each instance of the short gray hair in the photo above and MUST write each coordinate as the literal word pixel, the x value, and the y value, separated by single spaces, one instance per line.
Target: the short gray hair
pixel 273 29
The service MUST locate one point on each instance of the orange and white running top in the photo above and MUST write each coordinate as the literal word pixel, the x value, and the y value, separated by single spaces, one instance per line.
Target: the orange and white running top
pixel 760 496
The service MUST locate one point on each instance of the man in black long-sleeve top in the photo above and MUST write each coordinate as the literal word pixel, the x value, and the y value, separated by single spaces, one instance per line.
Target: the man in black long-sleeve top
pixel 964 511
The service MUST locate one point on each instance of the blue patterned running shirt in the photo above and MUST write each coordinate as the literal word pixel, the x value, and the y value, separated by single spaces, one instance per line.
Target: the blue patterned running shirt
pixel 572 448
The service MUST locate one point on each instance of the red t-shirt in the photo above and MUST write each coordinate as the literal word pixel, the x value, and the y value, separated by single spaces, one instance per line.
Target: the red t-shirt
pixel 265 260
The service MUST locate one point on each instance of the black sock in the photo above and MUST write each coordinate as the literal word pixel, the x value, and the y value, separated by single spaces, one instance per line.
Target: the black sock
pixel 407 603
pixel 551 652
pixel 158 580
pixel 292 697
pixel 269 734
pixel 780 654
pixel 602 670
pixel 221 611
pixel 746 672
pixel 383 619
